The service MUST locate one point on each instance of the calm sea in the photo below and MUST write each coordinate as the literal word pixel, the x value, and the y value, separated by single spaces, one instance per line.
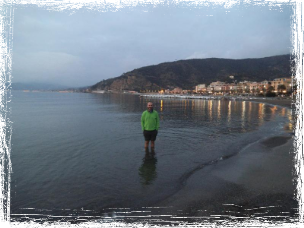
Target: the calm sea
pixel 86 151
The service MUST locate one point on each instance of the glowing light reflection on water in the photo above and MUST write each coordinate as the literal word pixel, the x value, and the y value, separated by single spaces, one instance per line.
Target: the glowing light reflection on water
pixel 87 150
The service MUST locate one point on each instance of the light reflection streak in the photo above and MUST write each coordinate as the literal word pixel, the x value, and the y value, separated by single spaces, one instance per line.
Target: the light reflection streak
pixel 219 109
pixel 203 104
pixel 273 110
pixel 161 105
pixel 210 108
pixel 243 114
pixel 249 111
pixel 261 112
pixel 229 112
pixel 290 126
pixel 290 116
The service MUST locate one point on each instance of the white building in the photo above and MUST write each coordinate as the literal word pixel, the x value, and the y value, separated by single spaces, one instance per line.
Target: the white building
pixel 281 81
pixel 217 86
pixel 200 88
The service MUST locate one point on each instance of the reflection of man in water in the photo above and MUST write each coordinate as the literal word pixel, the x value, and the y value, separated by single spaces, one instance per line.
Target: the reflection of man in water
pixel 147 171
pixel 150 125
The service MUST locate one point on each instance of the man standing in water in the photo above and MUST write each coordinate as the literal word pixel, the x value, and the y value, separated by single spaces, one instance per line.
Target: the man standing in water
pixel 150 125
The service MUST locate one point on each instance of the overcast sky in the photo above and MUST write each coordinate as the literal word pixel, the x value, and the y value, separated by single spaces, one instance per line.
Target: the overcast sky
pixel 85 47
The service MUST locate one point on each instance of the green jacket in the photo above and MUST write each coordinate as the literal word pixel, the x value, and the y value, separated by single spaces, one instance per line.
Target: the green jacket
pixel 149 121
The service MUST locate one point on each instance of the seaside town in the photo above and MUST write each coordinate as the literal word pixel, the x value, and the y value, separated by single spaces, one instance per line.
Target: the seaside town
pixel 278 87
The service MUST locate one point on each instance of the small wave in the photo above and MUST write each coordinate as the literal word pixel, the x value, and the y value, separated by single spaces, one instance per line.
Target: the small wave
pixel 110 218
pixel 183 179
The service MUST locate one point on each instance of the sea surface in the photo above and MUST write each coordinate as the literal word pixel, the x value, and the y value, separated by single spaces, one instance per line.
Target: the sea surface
pixel 85 152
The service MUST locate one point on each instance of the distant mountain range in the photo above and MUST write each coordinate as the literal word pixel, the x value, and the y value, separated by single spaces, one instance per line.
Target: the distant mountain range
pixel 187 74
pixel 36 86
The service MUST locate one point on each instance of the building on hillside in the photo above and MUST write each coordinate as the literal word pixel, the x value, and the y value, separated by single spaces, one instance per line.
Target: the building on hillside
pixel 176 90
pixel 263 86
pixel 210 89
pixel 281 81
pixel 232 88
pixel 276 82
pixel 216 86
pixel 200 88
pixel 265 83
pixel 243 87
pixel 226 88
pixel 253 87
pixel 217 83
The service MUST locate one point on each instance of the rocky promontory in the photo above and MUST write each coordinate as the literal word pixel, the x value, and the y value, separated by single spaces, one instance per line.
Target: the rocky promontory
pixel 187 74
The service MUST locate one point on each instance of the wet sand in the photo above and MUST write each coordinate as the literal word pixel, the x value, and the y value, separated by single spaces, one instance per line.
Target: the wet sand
pixel 263 186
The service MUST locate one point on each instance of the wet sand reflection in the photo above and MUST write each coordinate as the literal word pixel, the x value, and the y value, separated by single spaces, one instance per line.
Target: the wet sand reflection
pixel 296 122
pixel 147 171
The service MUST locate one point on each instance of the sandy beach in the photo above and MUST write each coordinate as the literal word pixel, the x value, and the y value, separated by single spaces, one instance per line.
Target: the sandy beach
pixel 262 186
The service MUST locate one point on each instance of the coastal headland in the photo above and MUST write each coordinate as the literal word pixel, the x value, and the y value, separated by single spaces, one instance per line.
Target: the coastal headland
pixel 262 186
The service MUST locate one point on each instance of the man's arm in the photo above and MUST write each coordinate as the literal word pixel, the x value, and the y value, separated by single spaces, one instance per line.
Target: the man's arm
pixel 157 121
pixel 142 122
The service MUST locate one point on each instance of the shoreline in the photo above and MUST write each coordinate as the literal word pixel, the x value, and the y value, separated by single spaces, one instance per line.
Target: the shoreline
pixel 260 187
pixel 286 103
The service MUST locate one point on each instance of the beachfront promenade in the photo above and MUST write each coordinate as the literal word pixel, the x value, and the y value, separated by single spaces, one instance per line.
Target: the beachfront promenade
pixel 219 97
pixel 206 97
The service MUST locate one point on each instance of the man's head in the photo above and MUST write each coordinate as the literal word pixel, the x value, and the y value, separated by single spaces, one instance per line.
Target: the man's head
pixel 150 106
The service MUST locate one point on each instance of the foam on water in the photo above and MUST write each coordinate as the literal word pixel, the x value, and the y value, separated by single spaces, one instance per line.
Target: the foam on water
pixel 114 216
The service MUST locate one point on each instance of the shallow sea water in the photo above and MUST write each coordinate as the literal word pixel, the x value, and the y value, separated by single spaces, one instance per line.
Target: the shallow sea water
pixel 85 152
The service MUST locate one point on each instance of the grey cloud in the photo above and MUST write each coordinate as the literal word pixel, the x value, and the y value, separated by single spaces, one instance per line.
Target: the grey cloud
pixel 89 46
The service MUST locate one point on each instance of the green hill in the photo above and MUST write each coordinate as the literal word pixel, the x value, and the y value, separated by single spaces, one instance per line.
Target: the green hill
pixel 188 73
